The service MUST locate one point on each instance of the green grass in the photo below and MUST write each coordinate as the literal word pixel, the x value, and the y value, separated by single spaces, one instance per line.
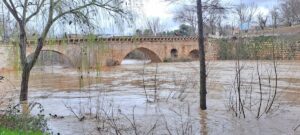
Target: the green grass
pixel 6 131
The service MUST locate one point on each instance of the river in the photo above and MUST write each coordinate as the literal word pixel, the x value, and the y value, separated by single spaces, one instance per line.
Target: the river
pixel 114 99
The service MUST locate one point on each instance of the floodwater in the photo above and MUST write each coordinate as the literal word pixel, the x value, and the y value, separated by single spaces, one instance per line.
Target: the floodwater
pixel 134 62
pixel 114 100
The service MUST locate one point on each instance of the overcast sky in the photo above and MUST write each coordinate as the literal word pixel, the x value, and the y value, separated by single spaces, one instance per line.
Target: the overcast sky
pixel 165 10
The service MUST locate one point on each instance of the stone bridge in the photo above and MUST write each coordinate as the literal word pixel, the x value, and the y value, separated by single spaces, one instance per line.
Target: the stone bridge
pixel 111 51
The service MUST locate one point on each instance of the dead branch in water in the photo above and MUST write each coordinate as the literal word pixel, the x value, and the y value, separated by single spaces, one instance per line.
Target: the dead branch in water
pixel 144 85
pixel 155 84
pixel 296 127
pixel 260 90
pixel 276 79
pixel 79 116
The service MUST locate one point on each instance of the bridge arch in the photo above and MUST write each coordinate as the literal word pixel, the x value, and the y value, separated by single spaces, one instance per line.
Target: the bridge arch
pixel 149 54
pixel 194 54
pixel 174 53
pixel 52 57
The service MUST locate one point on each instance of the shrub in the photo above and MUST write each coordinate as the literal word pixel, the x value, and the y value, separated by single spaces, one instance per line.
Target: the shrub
pixel 6 131
pixel 14 122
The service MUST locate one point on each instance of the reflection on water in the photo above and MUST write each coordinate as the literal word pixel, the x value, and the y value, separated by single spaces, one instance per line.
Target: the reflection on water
pixel 203 124
pixel 134 62
pixel 176 84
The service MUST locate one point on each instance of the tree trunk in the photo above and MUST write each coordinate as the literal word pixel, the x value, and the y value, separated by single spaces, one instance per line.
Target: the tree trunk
pixel 24 64
pixel 24 89
pixel 202 57
pixel 24 83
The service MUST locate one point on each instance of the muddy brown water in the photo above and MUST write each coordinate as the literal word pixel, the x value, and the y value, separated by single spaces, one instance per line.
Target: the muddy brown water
pixel 122 88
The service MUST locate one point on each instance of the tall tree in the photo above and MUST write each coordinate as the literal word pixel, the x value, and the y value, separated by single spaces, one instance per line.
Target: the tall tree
pixel 274 17
pixel 213 13
pixel 53 10
pixel 203 91
pixel 187 14
pixel 262 20
pixel 7 25
pixel 154 24
pixel 290 11
pixel 186 30
pixel 246 13
pixel 286 13
pixel 3 23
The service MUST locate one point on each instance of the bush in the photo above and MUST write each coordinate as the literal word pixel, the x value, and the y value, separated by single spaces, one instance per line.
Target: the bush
pixel 254 48
pixel 226 50
pixel 14 122
pixel 6 131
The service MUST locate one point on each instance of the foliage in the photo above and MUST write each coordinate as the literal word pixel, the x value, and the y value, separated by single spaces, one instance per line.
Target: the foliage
pixel 263 39
pixel 15 122
pixel 147 32
pixel 228 49
pixel 183 30
pixel 138 32
pixel 256 48
pixel 7 131
pixel 225 51
pixel 186 30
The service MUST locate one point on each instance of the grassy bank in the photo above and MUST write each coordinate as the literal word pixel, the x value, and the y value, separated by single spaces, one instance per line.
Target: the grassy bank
pixel 7 131
pixel 21 125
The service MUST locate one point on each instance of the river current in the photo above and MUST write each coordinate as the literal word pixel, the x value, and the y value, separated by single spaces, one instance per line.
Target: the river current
pixel 163 95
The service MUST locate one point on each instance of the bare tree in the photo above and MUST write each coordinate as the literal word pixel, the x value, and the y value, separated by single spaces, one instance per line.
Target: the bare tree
pixel 274 16
pixel 290 11
pixel 246 13
pixel 213 13
pixel 3 20
pixel 262 20
pixel 187 14
pixel 7 24
pixel 52 11
pixel 286 14
pixel 154 25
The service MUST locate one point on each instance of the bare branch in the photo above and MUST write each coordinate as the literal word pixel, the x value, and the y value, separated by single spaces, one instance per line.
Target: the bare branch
pixel 11 7
pixel 38 8
pixel 43 36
